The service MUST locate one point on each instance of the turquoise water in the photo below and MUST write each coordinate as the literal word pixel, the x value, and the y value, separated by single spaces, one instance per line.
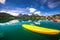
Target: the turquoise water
pixel 16 32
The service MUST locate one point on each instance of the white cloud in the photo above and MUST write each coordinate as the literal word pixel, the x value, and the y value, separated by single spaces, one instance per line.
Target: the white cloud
pixel 17 11
pixel 32 9
pixel 11 12
pixel 37 12
pixel 2 1
pixel 53 5
pixel 44 1
pixel 29 14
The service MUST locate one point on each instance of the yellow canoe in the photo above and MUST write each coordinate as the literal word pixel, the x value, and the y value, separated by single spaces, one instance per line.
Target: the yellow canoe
pixel 41 30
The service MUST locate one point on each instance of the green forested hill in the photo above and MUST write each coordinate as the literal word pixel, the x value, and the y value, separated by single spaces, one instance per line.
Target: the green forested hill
pixel 4 17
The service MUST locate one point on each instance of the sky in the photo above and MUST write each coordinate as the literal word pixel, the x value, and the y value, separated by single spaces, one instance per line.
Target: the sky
pixel 40 7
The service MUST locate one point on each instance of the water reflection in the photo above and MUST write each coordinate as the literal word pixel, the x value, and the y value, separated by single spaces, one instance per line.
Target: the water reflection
pixel 10 22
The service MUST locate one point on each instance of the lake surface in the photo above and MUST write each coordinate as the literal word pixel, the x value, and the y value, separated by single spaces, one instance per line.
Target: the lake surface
pixel 15 31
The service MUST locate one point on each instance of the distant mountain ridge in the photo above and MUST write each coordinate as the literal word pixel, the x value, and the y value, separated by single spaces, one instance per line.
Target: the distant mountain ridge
pixel 5 17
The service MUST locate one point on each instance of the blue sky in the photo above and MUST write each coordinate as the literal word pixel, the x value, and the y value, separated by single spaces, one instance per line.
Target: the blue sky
pixel 44 6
